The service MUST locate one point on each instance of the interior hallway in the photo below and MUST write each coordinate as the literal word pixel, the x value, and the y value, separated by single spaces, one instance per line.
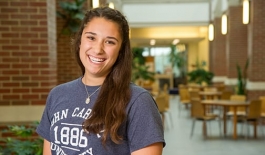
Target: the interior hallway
pixel 179 142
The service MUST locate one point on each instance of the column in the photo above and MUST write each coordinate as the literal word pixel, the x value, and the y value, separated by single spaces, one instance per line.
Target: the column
pixel 256 50
pixel 236 42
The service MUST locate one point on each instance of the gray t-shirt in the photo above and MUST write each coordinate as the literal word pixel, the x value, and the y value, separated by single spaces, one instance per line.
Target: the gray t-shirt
pixel 66 110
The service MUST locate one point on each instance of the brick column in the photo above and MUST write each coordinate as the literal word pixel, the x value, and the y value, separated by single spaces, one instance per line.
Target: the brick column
pixel 27 51
pixel 218 53
pixel 256 50
pixel 236 43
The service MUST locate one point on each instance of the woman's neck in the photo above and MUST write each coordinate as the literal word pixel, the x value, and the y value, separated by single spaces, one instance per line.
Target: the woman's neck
pixel 92 81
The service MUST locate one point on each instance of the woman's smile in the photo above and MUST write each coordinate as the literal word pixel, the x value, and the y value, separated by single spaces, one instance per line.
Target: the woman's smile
pixel 96 60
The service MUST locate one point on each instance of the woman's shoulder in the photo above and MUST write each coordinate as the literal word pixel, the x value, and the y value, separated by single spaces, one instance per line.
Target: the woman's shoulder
pixel 67 86
pixel 137 89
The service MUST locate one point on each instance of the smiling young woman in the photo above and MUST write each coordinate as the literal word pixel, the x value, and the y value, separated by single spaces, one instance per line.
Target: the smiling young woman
pixel 102 112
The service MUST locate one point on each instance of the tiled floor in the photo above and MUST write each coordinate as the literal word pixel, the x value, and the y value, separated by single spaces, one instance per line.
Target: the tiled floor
pixel 177 136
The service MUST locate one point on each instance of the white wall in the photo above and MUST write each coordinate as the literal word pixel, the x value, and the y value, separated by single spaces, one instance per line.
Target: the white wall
pixel 146 14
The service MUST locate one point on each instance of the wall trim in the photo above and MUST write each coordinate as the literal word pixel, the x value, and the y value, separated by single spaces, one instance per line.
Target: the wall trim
pixel 25 113
pixel 255 85
pixel 231 81
pixel 219 78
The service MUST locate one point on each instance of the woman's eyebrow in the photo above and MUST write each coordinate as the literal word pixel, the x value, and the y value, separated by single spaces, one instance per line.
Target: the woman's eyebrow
pixel 109 37
pixel 90 33
pixel 113 38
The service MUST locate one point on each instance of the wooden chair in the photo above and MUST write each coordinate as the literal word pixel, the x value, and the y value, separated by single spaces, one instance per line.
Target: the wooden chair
pixel 198 114
pixel 184 97
pixel 240 110
pixel 262 98
pixel 193 86
pixel 262 120
pixel 226 95
pixel 210 89
pixel 220 87
pixel 194 94
pixel 155 89
pixel 162 101
pixel 253 115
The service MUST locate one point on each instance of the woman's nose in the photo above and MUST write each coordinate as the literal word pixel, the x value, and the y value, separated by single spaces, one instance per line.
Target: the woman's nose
pixel 98 47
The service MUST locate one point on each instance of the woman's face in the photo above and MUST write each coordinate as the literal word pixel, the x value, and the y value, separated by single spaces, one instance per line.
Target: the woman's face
pixel 100 45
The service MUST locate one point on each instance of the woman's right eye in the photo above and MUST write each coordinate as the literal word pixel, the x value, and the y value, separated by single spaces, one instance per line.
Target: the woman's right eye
pixel 90 38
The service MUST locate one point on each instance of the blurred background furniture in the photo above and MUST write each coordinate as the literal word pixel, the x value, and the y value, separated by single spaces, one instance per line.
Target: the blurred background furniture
pixel 262 119
pixel 227 104
pixel 184 97
pixel 162 101
pixel 226 95
pixel 198 114
pixel 252 115
pixel 240 111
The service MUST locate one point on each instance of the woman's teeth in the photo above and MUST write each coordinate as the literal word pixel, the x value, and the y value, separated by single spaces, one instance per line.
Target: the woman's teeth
pixel 96 59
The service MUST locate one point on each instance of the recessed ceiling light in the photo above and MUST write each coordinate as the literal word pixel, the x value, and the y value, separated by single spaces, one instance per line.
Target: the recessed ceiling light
pixel 175 41
pixel 111 5
pixel 152 42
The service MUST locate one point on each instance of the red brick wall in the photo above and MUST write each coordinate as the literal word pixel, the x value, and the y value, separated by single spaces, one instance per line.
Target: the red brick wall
pixel 256 50
pixel 236 41
pixel 67 66
pixel 257 41
pixel 27 61
pixel 219 51
pixel 255 94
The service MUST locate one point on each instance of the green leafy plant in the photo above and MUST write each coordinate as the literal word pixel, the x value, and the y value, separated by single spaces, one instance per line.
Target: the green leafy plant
pixel 241 79
pixel 72 13
pixel 23 143
pixel 140 70
pixel 178 60
pixel 200 75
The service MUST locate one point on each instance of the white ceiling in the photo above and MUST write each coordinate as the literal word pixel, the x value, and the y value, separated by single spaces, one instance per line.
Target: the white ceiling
pixel 142 32
pixel 160 1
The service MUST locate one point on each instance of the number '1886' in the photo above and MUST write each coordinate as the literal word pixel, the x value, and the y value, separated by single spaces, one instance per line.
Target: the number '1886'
pixel 73 136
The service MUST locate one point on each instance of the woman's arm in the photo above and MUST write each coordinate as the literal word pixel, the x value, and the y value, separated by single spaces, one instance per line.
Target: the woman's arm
pixel 153 149
pixel 46 148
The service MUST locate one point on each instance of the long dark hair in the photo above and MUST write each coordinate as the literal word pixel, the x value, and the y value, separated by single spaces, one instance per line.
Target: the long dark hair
pixel 109 111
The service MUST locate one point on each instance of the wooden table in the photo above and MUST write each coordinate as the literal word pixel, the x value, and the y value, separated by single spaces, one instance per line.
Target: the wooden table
pixel 226 104
pixel 210 95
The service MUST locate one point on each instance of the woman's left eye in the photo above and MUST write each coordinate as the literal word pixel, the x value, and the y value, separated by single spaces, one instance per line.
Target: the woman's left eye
pixel 110 42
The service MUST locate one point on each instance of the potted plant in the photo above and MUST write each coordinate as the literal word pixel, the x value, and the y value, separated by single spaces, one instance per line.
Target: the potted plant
pixel 140 71
pixel 241 79
pixel 199 75
pixel 24 143
pixel 178 60
pixel 72 13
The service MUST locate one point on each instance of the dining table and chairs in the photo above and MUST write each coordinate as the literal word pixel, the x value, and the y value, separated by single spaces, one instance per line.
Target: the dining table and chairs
pixel 210 95
pixel 198 114
pixel 226 104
